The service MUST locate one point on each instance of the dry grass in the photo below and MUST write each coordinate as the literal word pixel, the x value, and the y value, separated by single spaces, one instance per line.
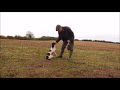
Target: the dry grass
pixel 26 59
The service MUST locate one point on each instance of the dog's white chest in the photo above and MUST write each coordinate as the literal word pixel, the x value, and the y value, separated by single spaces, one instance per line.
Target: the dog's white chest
pixel 53 49
pixel 51 52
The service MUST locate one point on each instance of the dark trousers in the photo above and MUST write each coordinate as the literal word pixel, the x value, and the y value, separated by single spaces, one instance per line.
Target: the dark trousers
pixel 69 47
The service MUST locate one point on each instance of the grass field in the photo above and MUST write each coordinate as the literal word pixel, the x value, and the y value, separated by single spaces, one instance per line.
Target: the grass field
pixel 26 59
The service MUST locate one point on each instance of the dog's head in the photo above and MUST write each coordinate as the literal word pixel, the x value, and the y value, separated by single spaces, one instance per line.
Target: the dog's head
pixel 47 56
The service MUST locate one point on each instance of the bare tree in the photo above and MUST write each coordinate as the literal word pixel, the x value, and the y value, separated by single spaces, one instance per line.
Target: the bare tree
pixel 29 34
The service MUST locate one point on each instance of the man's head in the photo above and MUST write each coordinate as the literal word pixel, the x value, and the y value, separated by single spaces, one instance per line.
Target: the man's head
pixel 58 28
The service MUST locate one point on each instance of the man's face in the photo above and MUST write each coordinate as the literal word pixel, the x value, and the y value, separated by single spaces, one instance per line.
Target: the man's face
pixel 60 29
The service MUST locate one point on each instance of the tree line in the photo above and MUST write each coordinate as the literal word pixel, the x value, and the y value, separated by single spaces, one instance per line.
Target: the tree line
pixel 30 36
pixel 48 38
pixel 27 38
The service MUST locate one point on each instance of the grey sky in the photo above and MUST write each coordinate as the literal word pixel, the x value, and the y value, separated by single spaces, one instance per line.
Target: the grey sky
pixel 85 25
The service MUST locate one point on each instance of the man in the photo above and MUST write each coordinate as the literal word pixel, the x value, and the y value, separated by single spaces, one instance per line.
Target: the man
pixel 67 36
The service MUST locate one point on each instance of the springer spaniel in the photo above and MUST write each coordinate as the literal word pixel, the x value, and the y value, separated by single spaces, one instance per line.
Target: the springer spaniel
pixel 52 50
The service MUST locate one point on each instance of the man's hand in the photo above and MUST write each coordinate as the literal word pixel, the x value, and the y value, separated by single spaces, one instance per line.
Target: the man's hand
pixel 68 41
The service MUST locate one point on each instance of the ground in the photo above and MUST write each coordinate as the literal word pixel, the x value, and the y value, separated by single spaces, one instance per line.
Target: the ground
pixel 26 59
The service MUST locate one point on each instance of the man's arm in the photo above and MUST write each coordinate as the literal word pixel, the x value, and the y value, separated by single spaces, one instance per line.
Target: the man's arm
pixel 71 35
pixel 58 39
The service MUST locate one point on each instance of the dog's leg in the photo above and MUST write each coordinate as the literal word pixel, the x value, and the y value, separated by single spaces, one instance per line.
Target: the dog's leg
pixel 55 53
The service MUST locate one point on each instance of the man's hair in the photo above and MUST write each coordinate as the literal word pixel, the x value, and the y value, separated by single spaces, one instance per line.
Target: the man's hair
pixel 58 27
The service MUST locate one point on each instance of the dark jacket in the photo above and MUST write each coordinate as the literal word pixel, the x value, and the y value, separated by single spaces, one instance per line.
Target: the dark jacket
pixel 65 35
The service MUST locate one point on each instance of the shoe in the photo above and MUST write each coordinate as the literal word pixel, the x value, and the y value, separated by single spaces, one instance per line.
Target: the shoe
pixel 59 57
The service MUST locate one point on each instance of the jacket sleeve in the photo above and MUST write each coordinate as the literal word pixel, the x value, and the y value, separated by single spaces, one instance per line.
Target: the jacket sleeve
pixel 71 35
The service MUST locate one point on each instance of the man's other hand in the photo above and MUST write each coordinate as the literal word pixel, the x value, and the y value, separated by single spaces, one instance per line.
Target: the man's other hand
pixel 68 41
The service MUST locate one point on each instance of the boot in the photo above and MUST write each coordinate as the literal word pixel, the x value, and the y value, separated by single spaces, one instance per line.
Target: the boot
pixel 70 55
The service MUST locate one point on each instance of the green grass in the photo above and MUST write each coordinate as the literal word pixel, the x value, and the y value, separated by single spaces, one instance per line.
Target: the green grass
pixel 26 59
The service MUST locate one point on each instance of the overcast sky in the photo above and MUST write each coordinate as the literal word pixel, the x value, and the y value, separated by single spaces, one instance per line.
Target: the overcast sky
pixel 85 25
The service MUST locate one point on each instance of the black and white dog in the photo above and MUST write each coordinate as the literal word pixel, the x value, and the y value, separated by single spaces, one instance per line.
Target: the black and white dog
pixel 52 50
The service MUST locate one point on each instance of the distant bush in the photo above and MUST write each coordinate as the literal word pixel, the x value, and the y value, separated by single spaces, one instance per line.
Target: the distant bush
pixel 86 40
pixel 116 42
pixel 22 38
pixel 102 41
pixel 18 37
pixel 76 40
pixel 10 37
pixel 99 41
pixel 46 38
pixel 2 37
